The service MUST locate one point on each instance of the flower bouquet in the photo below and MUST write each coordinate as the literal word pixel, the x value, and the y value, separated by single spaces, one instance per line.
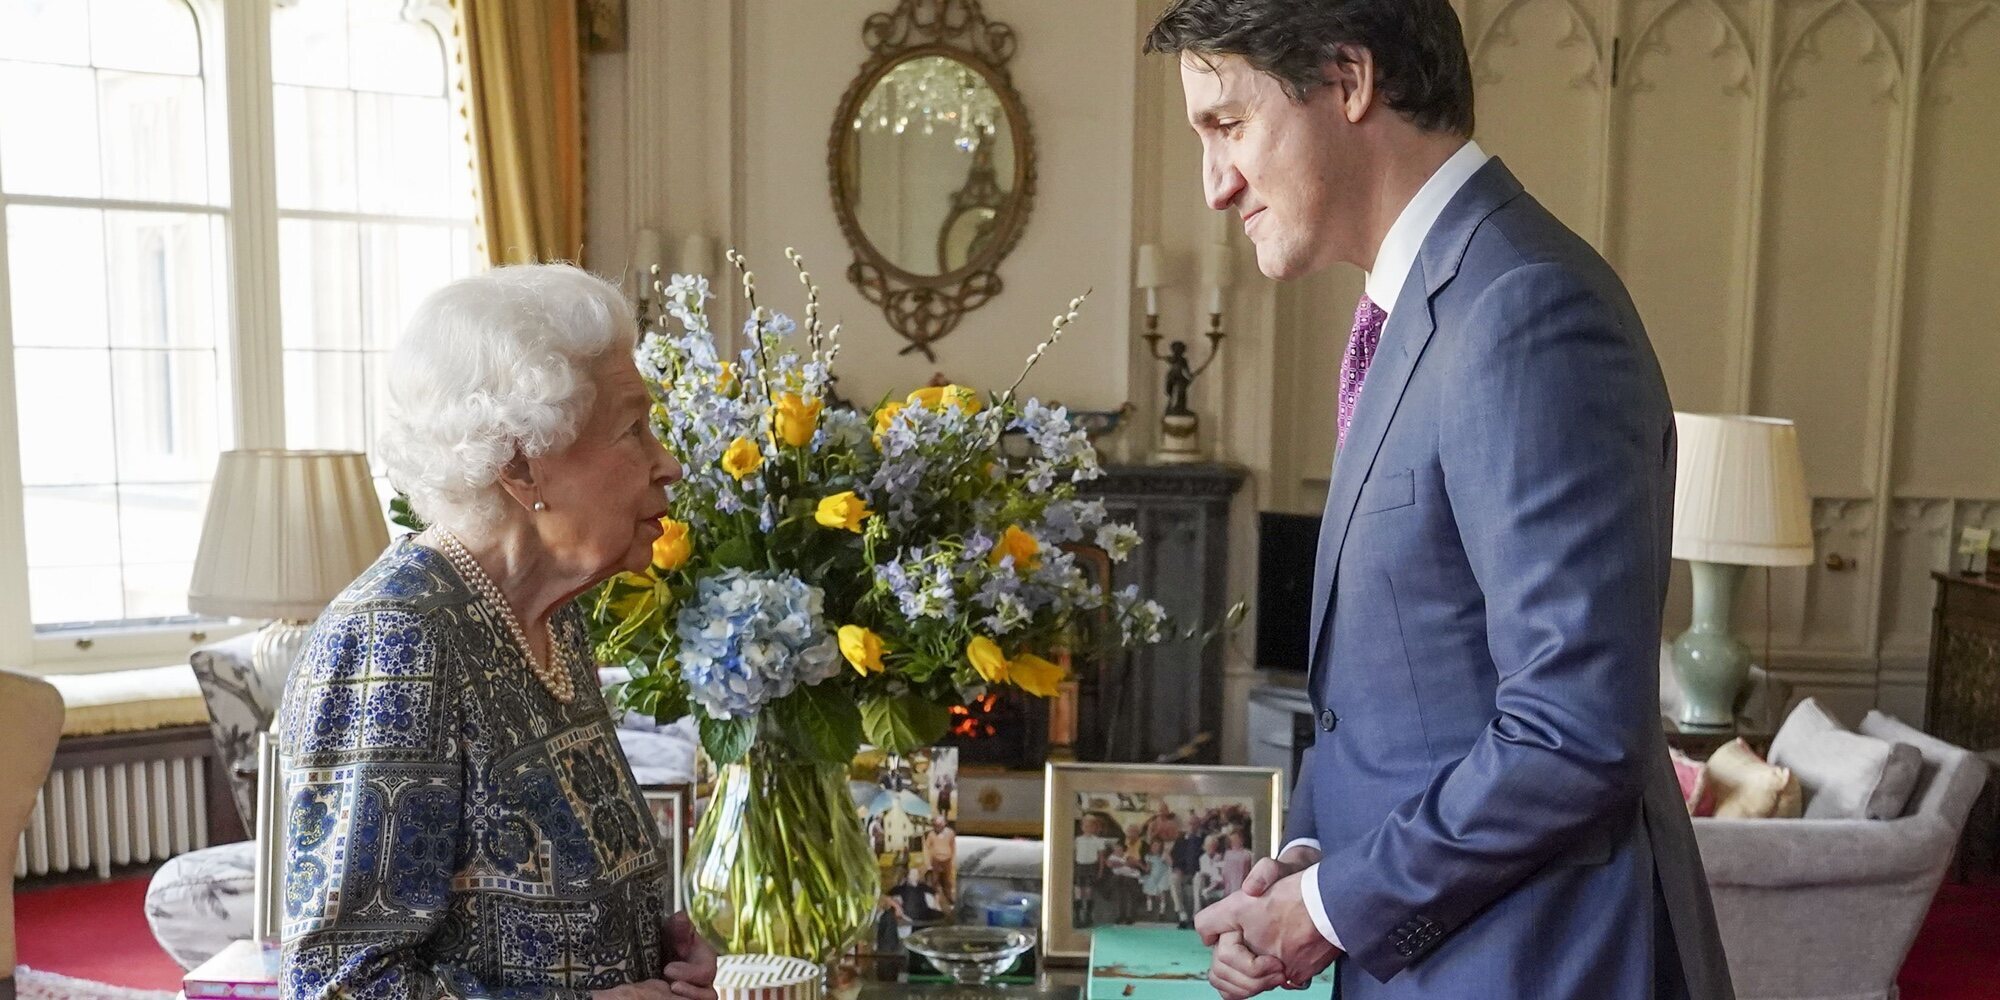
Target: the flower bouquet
pixel 829 576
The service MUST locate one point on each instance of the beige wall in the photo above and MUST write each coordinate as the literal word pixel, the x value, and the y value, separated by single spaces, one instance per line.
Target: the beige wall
pixel 1796 191
pixel 781 70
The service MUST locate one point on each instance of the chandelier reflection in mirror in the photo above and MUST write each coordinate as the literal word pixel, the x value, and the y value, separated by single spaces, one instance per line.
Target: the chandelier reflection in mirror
pixel 932 165
pixel 932 93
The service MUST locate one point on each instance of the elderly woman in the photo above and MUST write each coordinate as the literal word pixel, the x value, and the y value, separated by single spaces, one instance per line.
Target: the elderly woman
pixel 462 820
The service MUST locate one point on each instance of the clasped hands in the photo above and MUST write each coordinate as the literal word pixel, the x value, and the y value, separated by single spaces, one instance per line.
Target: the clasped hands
pixel 690 970
pixel 1262 935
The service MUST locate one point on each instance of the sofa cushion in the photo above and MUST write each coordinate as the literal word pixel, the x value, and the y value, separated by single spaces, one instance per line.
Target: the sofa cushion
pixel 1693 777
pixel 1845 774
pixel 125 701
pixel 201 901
pixel 1748 788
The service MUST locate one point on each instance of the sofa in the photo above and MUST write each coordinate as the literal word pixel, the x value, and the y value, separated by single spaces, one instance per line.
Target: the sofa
pixel 1826 909
pixel 31 722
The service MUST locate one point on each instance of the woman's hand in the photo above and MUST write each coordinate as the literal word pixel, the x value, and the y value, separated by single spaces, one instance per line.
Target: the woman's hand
pixel 691 965
pixel 651 989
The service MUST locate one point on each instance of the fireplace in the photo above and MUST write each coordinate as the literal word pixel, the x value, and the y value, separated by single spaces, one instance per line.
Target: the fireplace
pixel 1006 727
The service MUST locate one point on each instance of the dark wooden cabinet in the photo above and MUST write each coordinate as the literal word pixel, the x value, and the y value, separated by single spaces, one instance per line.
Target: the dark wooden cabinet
pixel 1962 704
pixel 1165 701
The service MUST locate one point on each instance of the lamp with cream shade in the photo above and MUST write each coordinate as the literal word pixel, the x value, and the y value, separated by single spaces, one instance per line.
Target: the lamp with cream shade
pixel 1739 500
pixel 286 532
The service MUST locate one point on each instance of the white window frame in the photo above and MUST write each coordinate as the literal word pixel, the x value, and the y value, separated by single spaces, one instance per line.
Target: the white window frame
pixel 235 38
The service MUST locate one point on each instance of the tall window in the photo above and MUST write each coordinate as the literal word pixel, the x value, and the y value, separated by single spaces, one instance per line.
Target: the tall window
pixel 125 309
pixel 114 227
pixel 375 205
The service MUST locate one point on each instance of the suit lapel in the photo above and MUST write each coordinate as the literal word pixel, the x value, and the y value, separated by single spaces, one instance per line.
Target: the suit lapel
pixel 1404 338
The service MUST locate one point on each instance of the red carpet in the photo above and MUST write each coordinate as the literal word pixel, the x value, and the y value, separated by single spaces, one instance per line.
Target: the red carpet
pixel 95 931
pixel 1957 954
pixel 98 931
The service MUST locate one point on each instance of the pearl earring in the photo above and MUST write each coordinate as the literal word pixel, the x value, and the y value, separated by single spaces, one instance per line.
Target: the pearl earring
pixel 540 506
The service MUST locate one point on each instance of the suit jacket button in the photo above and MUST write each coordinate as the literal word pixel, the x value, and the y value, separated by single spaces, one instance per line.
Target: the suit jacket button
pixel 1328 720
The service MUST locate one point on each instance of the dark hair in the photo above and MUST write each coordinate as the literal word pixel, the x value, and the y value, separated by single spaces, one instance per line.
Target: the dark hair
pixel 1421 68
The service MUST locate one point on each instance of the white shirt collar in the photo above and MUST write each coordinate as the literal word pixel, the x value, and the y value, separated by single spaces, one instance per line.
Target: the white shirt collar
pixel 1398 252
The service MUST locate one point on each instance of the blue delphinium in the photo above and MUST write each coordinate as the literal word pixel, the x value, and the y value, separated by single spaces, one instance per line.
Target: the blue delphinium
pixel 748 639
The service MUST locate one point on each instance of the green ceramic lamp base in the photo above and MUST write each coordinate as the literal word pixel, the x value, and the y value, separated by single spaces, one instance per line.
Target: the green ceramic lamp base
pixel 1712 663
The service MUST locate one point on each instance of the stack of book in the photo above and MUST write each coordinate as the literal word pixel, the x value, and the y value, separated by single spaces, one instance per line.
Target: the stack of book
pixel 245 970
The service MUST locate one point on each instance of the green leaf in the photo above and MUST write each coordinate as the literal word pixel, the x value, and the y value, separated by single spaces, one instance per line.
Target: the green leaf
pixel 736 553
pixel 726 741
pixel 904 723
pixel 822 722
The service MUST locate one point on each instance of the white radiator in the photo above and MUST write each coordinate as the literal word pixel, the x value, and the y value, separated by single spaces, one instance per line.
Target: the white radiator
pixel 119 814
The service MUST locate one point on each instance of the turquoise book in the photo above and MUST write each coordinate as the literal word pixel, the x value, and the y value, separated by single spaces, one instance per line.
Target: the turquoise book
pixel 1155 963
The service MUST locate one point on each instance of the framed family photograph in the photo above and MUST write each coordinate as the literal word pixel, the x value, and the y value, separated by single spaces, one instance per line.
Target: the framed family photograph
pixel 672 807
pixel 1148 845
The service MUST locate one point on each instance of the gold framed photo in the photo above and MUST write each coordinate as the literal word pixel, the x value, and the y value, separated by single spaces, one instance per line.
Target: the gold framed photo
pixel 672 808
pixel 1148 844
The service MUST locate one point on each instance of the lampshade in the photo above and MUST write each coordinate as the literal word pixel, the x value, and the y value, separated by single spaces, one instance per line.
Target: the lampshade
pixel 286 531
pixel 1147 273
pixel 1740 495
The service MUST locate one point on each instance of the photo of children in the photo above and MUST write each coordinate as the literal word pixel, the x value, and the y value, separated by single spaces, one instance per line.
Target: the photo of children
pixel 907 810
pixel 1145 859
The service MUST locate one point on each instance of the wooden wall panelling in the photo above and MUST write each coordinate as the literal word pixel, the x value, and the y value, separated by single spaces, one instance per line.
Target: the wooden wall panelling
pixel 1685 115
pixel 1541 69
pixel 1948 404
pixel 1828 214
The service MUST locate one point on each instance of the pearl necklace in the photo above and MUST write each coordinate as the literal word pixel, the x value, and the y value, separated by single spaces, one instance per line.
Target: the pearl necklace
pixel 555 674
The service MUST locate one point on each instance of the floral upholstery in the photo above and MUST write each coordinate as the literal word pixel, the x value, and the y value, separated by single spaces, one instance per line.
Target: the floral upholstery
pixel 240 705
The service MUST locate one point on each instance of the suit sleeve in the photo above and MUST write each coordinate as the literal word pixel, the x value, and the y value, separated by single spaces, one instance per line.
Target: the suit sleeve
pixel 1299 824
pixel 1555 444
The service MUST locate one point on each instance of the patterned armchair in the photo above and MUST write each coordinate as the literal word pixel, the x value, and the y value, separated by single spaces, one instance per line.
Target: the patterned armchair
pixel 31 721
pixel 240 705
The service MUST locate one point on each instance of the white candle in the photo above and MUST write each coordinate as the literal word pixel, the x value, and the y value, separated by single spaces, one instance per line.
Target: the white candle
pixel 1215 300
pixel 1152 301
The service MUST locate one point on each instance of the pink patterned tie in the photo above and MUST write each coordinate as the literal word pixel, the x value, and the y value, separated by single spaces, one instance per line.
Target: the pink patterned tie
pixel 1368 320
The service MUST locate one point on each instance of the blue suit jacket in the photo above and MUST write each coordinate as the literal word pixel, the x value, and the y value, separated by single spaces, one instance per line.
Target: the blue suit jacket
pixel 1493 797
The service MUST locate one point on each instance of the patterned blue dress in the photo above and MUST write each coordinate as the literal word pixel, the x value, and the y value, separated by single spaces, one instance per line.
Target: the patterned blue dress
pixel 454 830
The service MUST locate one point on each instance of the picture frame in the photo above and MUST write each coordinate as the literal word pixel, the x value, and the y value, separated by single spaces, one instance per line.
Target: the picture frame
pixel 672 809
pixel 1146 874
pixel 1974 547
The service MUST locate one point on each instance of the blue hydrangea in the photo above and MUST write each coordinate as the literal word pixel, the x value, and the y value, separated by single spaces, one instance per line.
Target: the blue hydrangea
pixel 748 639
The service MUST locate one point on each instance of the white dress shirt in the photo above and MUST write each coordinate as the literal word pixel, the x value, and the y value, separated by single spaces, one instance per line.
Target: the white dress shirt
pixel 1393 261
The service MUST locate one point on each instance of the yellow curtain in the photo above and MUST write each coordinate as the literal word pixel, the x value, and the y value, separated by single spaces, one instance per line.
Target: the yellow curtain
pixel 524 91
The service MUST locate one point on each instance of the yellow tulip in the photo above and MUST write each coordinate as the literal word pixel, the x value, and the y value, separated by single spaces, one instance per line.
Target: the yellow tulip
pixel 725 382
pixel 884 417
pixel 796 419
pixel 742 458
pixel 672 548
pixel 987 659
pixel 1035 675
pixel 937 397
pixel 862 648
pixel 1019 544
pixel 844 511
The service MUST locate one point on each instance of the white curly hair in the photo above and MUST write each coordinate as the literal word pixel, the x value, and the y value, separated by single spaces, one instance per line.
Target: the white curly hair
pixel 492 365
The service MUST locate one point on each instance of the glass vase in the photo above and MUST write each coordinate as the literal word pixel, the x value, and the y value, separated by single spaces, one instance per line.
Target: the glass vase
pixel 779 864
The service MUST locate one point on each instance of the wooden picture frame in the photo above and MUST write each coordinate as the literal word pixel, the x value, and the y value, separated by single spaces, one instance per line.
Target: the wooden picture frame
pixel 1239 810
pixel 672 809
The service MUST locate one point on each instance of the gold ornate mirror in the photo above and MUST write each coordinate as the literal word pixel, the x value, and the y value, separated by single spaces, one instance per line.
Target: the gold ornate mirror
pixel 932 165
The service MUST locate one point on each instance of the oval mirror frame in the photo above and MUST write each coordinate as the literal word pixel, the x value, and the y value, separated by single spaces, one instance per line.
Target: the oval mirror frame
pixel 923 308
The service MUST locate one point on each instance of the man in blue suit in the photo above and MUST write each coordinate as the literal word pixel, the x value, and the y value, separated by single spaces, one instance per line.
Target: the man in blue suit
pixel 1489 811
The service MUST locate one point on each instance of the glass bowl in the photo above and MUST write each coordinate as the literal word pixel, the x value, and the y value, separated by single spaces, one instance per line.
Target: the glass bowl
pixel 971 955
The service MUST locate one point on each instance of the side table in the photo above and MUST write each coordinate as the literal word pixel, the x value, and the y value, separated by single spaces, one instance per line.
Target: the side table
pixel 1700 741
